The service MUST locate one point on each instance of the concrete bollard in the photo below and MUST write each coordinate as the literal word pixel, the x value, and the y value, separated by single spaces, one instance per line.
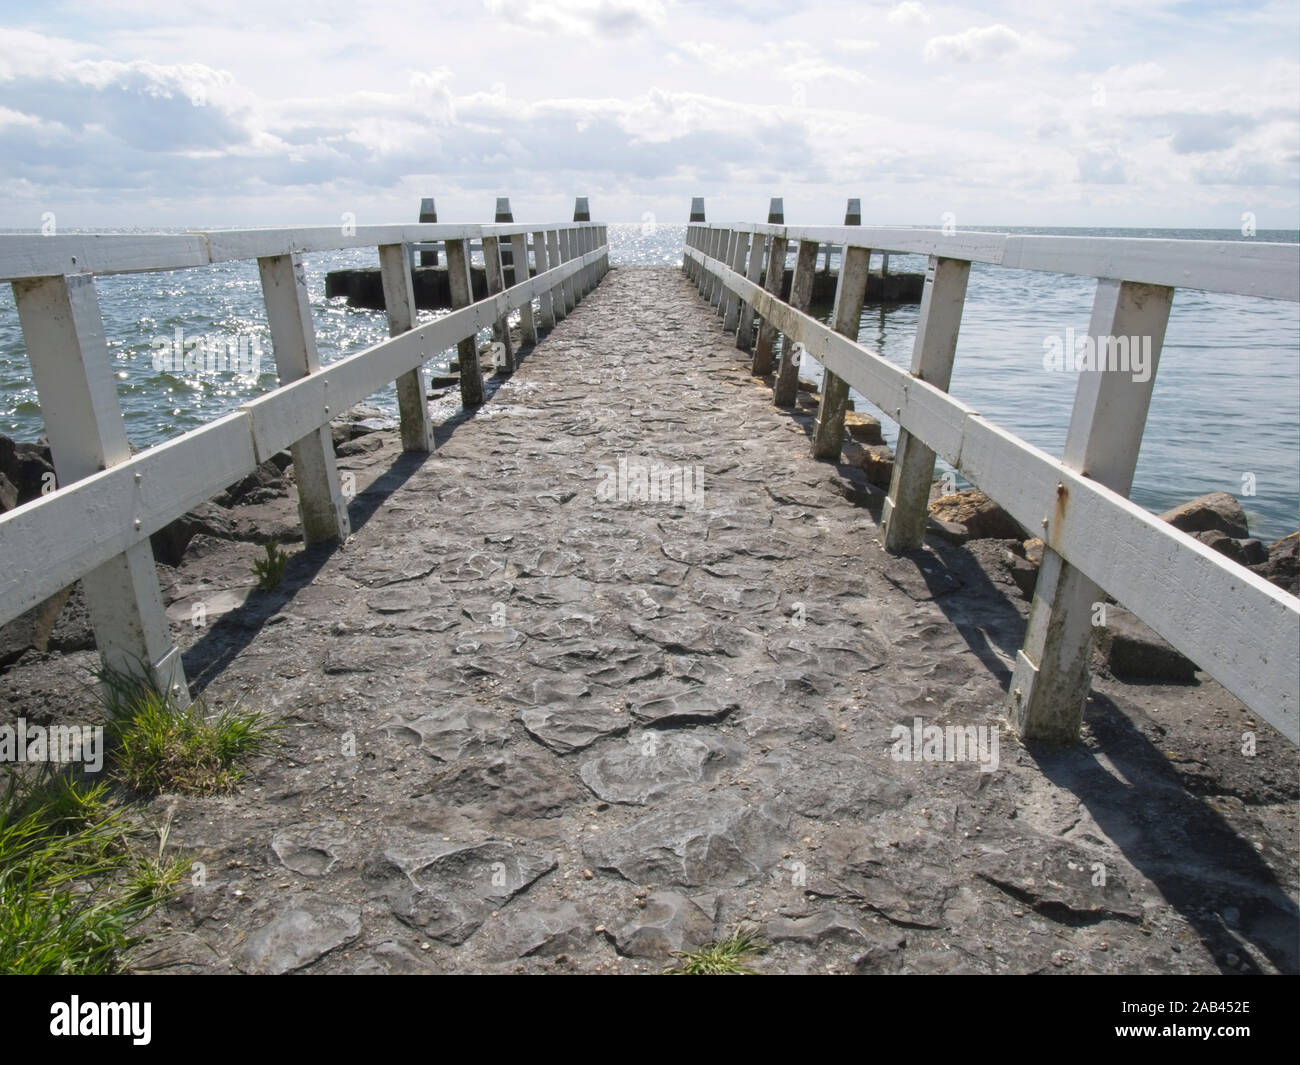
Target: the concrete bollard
pixel 697 209
pixel 428 213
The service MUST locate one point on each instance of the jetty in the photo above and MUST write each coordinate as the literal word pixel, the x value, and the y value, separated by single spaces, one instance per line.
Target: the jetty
pixel 615 645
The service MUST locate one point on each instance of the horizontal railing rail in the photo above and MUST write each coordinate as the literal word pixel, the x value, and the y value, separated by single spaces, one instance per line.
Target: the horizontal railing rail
pixel 24 256
pixel 95 526
pixel 1239 628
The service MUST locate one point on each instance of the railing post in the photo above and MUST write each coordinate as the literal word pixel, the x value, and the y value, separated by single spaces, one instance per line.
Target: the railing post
pixel 772 285
pixel 73 373
pixel 584 275
pixel 731 301
pixel 399 300
pixel 850 291
pixel 902 520
pixel 321 503
pixel 604 243
pixel 1049 685
pixel 519 257
pixel 544 298
pixel 787 378
pixel 709 242
pixel 462 295
pixel 555 257
pixel 567 248
pixel 494 271
pixel 726 248
pixel 754 273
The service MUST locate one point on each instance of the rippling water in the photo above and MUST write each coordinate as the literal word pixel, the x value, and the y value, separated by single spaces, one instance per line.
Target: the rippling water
pixel 1226 401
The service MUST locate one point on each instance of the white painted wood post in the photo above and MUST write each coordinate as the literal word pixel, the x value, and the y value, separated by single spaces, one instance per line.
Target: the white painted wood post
pixel 555 258
pixel 1049 685
pixel 762 365
pixel 462 295
pixel 519 253
pixel 545 301
pixel 321 503
pixel 850 291
pixel 902 519
pixel 496 282
pixel 708 241
pixel 63 332
pixel 786 387
pixel 725 250
pixel 754 273
pixel 399 301
pixel 731 301
pixel 604 243
pixel 568 248
pixel 583 275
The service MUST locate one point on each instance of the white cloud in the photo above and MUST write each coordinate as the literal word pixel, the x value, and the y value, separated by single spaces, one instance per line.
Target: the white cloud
pixel 909 13
pixel 589 18
pixel 981 44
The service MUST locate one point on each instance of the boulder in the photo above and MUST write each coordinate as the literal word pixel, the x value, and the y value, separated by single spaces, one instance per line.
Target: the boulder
pixel 8 494
pixel 25 467
pixel 875 460
pixel 983 518
pixel 169 542
pixel 1217 512
pixel 1282 566
pixel 1133 651
pixel 863 428
pixel 1248 552
pixel 31 630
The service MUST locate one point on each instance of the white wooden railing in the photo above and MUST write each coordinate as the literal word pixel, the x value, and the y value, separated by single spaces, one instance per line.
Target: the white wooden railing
pixel 1239 628
pixel 96 526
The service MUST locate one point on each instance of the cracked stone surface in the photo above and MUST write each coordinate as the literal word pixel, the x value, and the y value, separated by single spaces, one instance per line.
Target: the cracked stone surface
pixel 532 729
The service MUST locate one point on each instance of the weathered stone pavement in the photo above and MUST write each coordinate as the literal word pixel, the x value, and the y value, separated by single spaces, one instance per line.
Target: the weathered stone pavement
pixel 532 728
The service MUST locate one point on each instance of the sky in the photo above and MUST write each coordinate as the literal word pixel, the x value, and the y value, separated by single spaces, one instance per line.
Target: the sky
pixel 137 113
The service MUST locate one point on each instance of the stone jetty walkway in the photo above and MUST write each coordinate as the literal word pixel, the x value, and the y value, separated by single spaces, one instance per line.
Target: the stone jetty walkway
pixel 535 725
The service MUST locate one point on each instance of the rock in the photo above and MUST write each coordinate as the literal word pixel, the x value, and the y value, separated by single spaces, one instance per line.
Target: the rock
pixel 829 926
pixel 267 475
pixel 1131 650
pixel 8 493
pixel 449 732
pixel 565 728
pixel 308 852
pixel 539 931
pixel 169 542
pixel 695 707
pixel 527 785
pixel 1216 511
pixel 724 843
pixel 1248 552
pixel 983 518
pixel 823 784
pixel 1283 564
pixel 72 631
pixel 27 467
pixel 298 936
pixel 1059 882
pixel 651 765
pixel 863 428
pixel 446 889
pixel 877 462
pixel 1023 572
pixel 32 630
pixel 668 922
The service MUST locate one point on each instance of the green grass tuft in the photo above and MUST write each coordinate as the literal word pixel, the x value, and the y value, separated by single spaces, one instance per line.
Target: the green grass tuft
pixel 159 746
pixel 269 571
pixel 68 891
pixel 720 959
